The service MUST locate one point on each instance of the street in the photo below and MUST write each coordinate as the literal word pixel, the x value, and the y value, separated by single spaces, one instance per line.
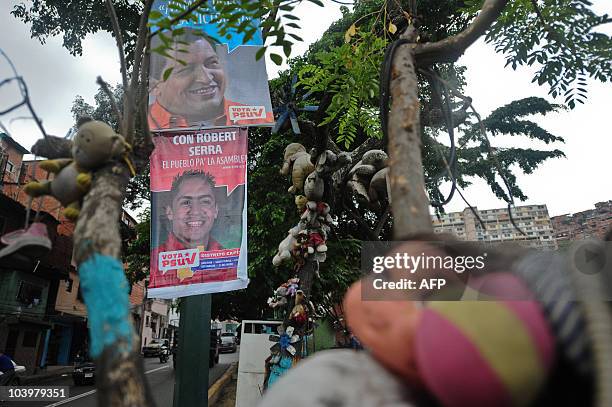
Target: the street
pixel 160 378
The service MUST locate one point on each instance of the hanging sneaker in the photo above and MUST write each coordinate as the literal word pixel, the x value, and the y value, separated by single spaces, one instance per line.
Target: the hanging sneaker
pixel 32 242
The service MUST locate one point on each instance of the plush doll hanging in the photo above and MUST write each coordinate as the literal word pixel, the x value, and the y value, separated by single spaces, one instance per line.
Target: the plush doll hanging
pixel 297 163
pixel 94 145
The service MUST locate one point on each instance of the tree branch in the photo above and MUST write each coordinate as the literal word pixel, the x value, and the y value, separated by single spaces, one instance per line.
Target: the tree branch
pixel 363 224
pixel 144 146
pixel 367 145
pixel 381 222
pixel 331 144
pixel 111 97
pixel 114 344
pixel 451 48
pixel 131 96
pixel 142 40
pixel 272 17
pixel 410 204
pixel 119 39
pixel 437 121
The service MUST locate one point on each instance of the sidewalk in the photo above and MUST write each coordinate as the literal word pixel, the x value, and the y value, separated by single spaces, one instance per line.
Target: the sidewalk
pixel 51 372
pixel 223 392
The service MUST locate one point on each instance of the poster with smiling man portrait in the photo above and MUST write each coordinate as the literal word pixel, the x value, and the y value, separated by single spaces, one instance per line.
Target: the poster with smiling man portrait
pixel 205 80
pixel 198 212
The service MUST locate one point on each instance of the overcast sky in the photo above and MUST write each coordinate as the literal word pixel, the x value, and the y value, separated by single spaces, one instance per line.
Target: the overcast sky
pixel 567 185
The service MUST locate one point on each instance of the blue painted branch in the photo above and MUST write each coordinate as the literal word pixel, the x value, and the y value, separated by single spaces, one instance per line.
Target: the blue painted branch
pixel 113 342
pixel 105 291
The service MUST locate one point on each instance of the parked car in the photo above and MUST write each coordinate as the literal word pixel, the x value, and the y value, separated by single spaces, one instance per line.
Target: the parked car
pixel 84 373
pixel 228 342
pixel 154 347
pixel 14 378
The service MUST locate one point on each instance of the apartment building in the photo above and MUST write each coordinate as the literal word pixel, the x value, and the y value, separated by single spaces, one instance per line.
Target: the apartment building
pixel 43 319
pixel 28 288
pixel 156 320
pixel 592 223
pixel 533 220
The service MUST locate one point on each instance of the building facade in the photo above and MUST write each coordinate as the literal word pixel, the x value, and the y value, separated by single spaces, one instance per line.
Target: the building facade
pixel 43 320
pixel 156 320
pixel 28 288
pixel 592 223
pixel 533 220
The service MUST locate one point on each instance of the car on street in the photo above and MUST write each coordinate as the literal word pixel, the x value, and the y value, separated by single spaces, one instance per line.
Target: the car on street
pixel 228 342
pixel 84 373
pixel 154 348
pixel 15 379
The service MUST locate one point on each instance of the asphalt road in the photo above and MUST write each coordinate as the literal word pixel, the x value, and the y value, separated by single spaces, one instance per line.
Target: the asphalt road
pixel 159 376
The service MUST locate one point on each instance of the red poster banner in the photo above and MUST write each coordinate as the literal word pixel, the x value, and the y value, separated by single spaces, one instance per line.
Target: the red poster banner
pixel 198 213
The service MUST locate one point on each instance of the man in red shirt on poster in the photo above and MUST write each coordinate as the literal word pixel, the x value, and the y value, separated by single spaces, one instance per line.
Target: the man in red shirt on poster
pixel 194 92
pixel 192 213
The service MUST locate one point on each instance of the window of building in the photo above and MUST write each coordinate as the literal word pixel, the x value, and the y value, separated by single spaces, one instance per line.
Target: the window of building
pixel 29 294
pixel 23 173
pixel 10 167
pixel 148 321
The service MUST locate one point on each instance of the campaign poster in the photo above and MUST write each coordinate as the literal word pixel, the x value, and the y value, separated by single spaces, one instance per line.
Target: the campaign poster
pixel 198 212
pixel 213 81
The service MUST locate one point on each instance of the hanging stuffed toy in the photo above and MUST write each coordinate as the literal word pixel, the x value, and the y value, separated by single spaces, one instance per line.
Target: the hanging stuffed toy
pixel 297 163
pixel 94 145
pixel 299 313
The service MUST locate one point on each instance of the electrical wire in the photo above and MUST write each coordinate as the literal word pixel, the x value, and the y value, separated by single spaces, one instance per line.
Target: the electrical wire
pixel 508 197
pixel 385 83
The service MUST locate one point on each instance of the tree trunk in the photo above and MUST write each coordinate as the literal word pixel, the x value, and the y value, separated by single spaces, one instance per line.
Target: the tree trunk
pixel 307 275
pixel 114 343
pixel 409 202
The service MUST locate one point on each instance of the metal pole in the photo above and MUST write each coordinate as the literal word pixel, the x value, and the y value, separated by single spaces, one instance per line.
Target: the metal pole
pixel 191 382
pixel 142 313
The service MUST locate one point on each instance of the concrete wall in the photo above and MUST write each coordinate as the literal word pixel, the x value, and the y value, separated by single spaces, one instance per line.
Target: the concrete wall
pixel 67 301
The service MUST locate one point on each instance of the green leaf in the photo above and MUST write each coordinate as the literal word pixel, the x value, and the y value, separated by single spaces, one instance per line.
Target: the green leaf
pixel 155 15
pixel 287 49
pixel 296 37
pixel 167 73
pixel 260 53
pixel 277 59
pixel 317 2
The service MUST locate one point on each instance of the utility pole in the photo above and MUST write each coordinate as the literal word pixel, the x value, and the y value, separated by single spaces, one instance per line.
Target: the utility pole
pixel 191 383
pixel 142 313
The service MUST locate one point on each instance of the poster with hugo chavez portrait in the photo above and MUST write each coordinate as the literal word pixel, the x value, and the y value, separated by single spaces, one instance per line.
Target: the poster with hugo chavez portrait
pixel 205 80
